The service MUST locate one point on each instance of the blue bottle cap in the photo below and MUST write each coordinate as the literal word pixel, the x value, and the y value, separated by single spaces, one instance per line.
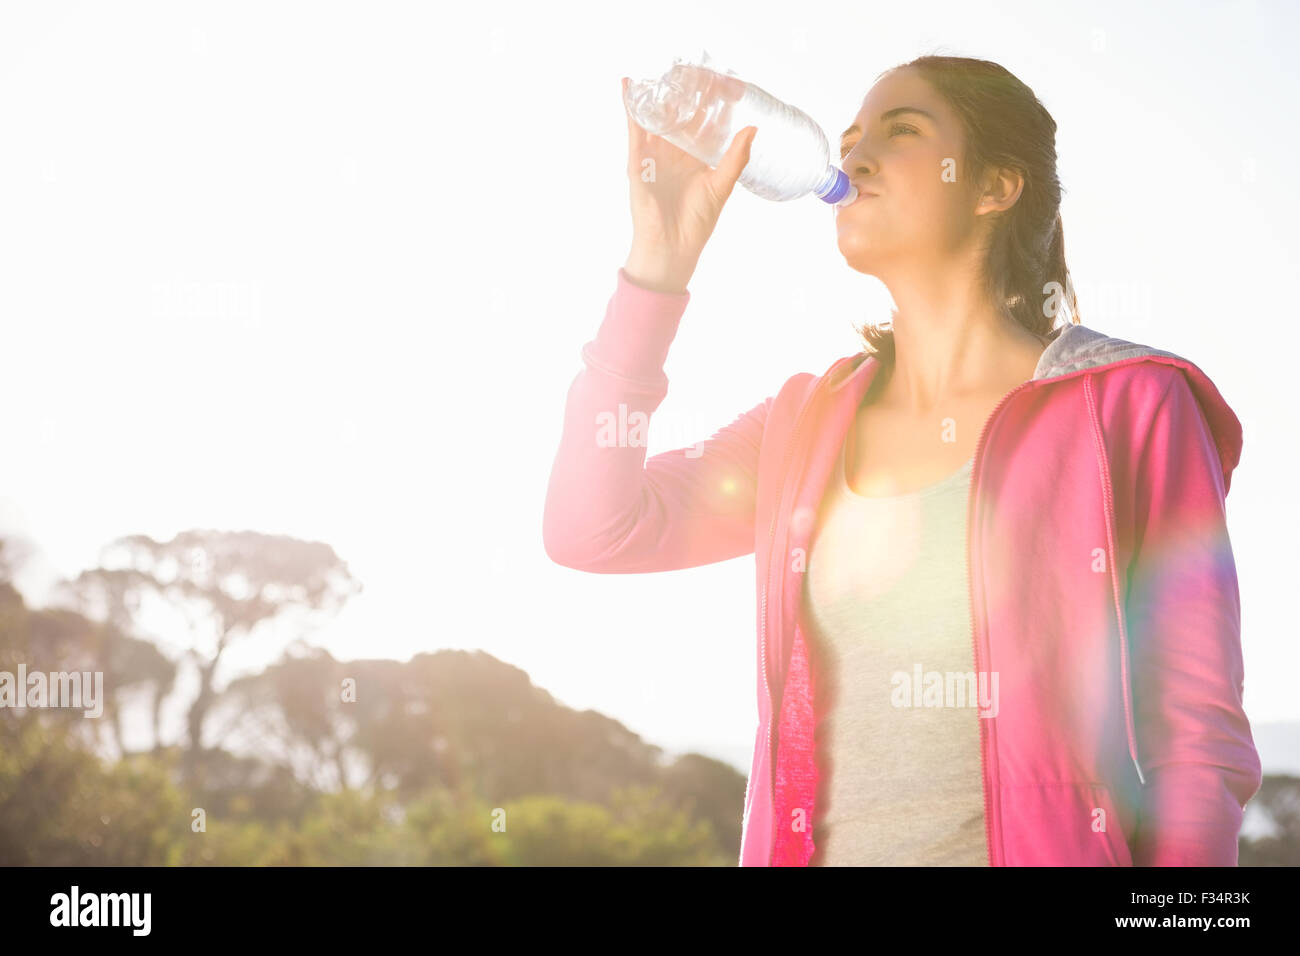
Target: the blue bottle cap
pixel 839 189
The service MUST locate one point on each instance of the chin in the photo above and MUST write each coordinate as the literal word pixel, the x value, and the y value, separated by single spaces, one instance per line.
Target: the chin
pixel 858 251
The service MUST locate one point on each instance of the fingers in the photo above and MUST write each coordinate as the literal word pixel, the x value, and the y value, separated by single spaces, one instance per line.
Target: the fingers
pixel 734 160
pixel 636 136
pixel 633 127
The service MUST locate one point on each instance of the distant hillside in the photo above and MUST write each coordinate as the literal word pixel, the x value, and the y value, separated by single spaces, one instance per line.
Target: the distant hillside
pixel 466 718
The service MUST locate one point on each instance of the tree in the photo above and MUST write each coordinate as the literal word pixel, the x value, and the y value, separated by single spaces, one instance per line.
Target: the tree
pixel 226 585
pixel 1278 800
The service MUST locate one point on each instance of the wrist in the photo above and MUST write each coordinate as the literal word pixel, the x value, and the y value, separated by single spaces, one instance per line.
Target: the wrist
pixel 659 269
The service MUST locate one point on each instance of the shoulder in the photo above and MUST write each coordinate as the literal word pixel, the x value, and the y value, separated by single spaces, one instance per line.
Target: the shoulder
pixel 1159 402
pixel 1135 376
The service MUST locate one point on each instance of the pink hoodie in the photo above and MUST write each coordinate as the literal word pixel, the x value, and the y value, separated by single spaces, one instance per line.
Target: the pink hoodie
pixel 1103 590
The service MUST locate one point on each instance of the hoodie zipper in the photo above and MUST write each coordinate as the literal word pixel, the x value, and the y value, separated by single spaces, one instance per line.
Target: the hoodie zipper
pixel 772 709
pixel 970 594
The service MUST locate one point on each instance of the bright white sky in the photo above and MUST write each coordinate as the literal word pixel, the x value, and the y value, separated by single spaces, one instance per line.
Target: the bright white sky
pixel 324 270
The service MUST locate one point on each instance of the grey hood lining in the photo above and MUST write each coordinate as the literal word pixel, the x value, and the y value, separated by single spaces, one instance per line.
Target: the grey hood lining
pixel 1077 347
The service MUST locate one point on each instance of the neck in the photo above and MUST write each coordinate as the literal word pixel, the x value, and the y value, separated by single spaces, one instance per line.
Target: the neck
pixel 951 344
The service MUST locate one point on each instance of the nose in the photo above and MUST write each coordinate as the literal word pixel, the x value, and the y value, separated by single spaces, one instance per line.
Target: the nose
pixel 853 162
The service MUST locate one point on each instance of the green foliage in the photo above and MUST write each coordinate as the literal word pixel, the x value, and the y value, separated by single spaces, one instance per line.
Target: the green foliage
pixel 62 806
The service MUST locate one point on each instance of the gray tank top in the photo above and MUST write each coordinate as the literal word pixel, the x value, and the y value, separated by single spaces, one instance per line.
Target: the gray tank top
pixel 888 612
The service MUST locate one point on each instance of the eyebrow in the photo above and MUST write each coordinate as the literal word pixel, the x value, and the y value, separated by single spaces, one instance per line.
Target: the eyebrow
pixel 855 128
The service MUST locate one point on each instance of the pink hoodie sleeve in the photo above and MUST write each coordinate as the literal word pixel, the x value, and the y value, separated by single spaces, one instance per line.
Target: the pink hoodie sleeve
pixel 608 509
pixel 1184 618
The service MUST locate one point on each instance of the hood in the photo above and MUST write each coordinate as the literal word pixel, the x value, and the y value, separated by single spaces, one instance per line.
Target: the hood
pixel 1074 348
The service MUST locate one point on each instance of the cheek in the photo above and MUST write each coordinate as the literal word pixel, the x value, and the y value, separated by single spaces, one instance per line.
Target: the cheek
pixel 927 185
pixel 934 202
pixel 926 170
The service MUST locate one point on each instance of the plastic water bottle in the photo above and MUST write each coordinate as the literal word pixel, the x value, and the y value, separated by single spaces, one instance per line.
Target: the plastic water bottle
pixel 699 109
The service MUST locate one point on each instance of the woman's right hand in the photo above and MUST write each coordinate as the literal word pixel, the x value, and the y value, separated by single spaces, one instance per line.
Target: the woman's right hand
pixel 676 200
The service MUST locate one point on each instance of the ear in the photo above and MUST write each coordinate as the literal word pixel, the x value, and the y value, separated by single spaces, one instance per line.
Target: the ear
pixel 1000 189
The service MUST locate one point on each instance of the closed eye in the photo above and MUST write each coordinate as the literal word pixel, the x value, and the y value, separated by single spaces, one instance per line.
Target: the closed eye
pixel 844 150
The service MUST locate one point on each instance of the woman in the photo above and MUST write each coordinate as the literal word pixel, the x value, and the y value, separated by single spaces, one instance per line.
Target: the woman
pixel 979 485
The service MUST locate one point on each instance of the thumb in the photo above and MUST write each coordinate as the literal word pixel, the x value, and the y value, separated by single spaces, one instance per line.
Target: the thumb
pixel 734 161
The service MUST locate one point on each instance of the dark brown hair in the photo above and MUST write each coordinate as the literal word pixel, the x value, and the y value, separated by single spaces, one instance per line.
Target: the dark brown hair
pixel 1005 126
